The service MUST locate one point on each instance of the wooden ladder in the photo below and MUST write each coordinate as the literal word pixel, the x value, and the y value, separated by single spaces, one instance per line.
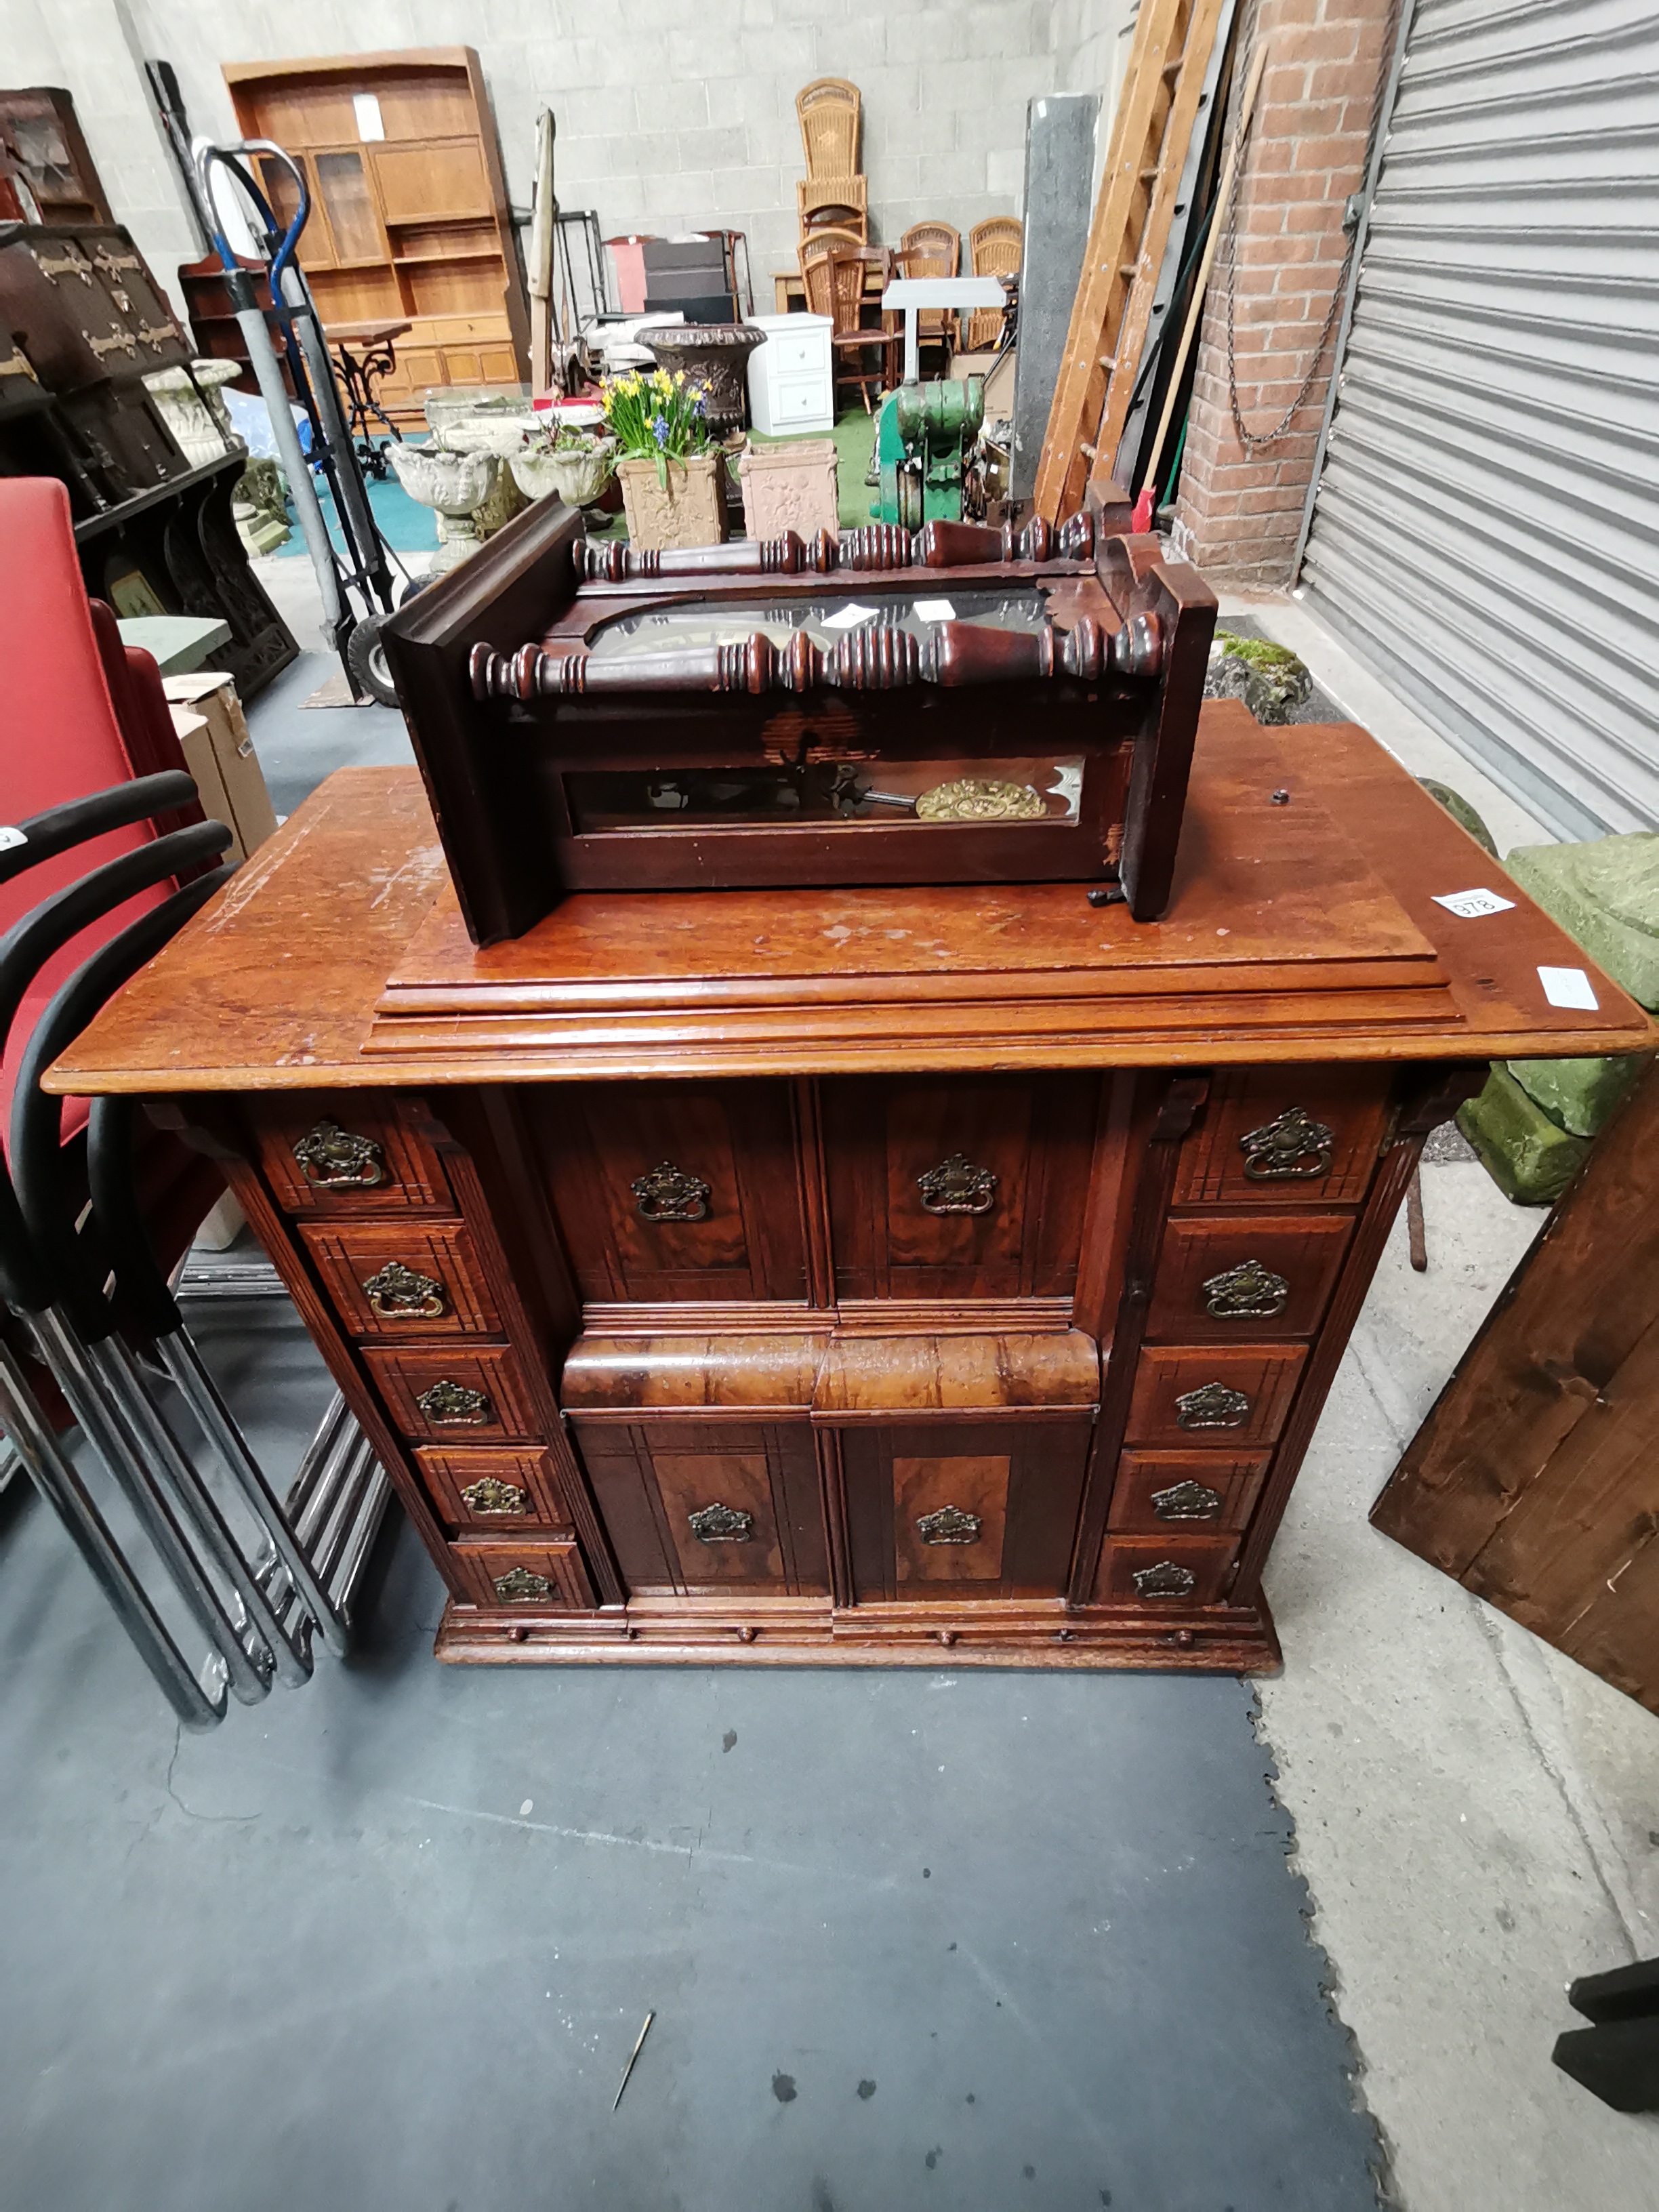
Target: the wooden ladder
pixel 1133 214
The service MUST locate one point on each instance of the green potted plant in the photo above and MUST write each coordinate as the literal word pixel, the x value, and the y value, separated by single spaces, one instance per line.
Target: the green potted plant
pixel 671 472
pixel 574 463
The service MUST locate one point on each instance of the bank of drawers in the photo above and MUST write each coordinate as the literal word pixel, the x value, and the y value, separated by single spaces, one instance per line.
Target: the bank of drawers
pixel 1267 1194
pixel 375 1211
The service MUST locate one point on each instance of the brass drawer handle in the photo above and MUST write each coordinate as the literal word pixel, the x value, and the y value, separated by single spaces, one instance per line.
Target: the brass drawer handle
pixel 1187 1501
pixel 333 1158
pixel 1211 1406
pixel 1166 1579
pixel 668 1193
pixel 957 1186
pixel 490 1495
pixel 449 1405
pixel 721 1525
pixel 950 1525
pixel 520 1587
pixel 1292 1148
pixel 398 1293
pixel 1249 1291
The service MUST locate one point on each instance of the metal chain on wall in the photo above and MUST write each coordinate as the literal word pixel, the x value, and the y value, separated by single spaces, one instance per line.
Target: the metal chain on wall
pixel 1253 441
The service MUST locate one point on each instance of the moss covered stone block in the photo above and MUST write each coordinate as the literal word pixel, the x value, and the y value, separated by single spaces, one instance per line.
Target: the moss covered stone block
pixel 1605 894
pixel 1578 1094
pixel 1530 1159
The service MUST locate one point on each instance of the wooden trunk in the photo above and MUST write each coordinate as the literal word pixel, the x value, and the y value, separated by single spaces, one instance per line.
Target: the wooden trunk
pixel 1535 1481
pixel 843 1275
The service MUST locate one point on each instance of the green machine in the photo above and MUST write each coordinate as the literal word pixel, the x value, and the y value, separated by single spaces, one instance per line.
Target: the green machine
pixel 924 435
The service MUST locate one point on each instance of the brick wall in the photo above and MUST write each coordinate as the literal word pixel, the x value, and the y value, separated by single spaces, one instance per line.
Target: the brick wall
pixel 1239 513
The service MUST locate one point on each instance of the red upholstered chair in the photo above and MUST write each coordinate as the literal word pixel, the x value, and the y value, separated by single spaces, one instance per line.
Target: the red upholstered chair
pixel 80 712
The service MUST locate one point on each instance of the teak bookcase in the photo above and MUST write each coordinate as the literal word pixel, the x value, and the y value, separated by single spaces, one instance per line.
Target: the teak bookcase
pixel 413 225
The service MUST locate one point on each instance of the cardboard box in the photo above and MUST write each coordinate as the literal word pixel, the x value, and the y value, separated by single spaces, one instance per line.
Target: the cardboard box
pixel 219 753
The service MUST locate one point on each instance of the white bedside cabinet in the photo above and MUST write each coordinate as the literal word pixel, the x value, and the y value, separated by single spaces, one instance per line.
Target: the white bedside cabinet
pixel 790 384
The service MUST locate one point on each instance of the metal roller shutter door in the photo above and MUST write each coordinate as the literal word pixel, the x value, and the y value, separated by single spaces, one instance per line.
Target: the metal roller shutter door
pixel 1485 533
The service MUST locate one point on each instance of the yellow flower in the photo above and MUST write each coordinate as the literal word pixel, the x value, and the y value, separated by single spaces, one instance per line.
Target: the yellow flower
pixel 679 376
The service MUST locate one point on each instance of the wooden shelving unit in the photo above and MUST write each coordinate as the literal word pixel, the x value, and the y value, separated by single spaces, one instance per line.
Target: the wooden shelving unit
pixel 410 218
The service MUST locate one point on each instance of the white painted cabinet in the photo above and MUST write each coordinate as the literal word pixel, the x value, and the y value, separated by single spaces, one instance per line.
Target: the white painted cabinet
pixel 790 384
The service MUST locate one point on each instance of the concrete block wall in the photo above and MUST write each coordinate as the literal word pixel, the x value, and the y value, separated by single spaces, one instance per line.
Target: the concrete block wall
pixel 1239 512
pixel 675 114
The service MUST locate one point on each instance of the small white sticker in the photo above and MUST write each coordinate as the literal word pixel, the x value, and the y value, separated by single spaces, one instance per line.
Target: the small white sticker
pixel 1569 987
pixel 370 121
pixel 11 839
pixel 1470 904
pixel 935 610
pixel 849 617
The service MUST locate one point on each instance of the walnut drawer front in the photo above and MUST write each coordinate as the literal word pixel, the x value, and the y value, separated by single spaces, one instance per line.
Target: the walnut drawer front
pixel 972 1188
pixel 1235 1397
pixel 699 1507
pixel 1165 1571
pixel 414 1278
pixel 1285 1136
pixel 1185 1493
pixel 344 1152
pixel 465 1395
pixel 507 1492
pixel 673 1191
pixel 545 1577
pixel 949 1510
pixel 1221 1279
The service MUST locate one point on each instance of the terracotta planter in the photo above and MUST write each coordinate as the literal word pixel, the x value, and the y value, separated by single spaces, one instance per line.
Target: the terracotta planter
pixel 690 511
pixel 790 487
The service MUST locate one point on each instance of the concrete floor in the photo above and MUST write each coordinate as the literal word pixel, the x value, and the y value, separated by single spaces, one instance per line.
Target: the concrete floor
pixel 982 1940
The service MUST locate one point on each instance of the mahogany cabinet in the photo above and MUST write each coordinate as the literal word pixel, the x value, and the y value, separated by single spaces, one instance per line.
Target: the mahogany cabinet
pixel 804 1275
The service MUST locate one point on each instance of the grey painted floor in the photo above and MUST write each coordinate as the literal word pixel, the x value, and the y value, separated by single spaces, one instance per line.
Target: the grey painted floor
pixel 985 1940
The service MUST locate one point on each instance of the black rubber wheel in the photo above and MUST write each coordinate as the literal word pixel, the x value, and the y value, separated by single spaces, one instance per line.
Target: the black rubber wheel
pixel 366 658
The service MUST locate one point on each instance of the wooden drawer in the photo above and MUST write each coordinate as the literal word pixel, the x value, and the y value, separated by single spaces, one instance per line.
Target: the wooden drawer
pixel 1165 1571
pixel 477 1488
pixel 673 1191
pixel 345 1151
pixel 702 1506
pixel 1219 1280
pixel 435 1395
pixel 1235 1397
pixel 968 1188
pixel 547 1576
pixel 412 1279
pixel 1190 1493
pixel 950 1510
pixel 1285 1136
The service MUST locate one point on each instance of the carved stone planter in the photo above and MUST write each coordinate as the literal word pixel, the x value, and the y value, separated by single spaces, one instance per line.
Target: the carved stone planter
pixel 712 354
pixel 790 487
pixel 690 510
pixel 578 478
pixel 455 485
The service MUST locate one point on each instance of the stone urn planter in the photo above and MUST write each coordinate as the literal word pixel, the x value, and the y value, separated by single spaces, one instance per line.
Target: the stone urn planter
pixel 456 484
pixel 689 510
pixel 715 355
pixel 792 486
pixel 578 474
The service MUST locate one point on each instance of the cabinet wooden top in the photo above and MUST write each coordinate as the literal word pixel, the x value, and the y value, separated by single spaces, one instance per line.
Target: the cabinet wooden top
pixel 1302 929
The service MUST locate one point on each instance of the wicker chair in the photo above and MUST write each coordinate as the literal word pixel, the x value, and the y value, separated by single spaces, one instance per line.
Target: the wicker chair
pixel 838 203
pixel 995 248
pixel 828 111
pixel 933 249
pixel 834 279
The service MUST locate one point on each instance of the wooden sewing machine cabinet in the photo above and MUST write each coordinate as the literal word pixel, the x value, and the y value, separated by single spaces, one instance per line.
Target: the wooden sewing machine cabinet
pixel 837 1275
